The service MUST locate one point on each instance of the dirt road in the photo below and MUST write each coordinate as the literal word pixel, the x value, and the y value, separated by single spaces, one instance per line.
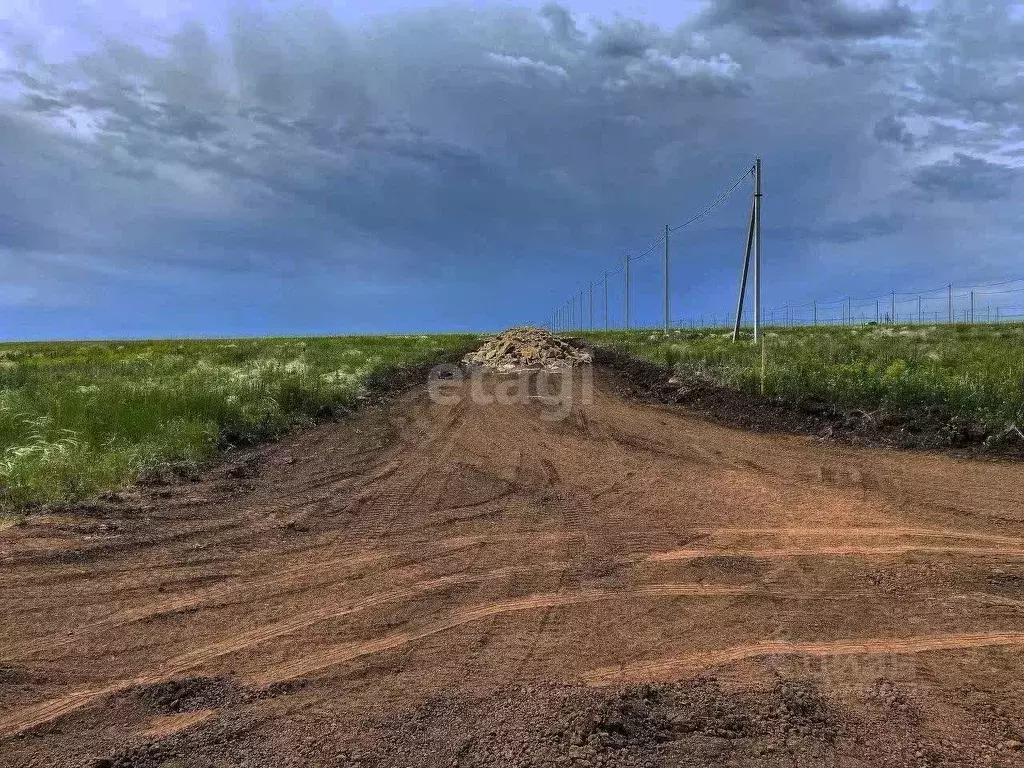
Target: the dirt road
pixel 468 584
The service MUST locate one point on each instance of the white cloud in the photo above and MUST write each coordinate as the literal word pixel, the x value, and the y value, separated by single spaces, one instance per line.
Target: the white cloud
pixel 524 63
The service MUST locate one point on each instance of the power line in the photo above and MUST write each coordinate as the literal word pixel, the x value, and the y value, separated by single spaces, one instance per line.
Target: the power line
pixel 655 244
pixel 718 201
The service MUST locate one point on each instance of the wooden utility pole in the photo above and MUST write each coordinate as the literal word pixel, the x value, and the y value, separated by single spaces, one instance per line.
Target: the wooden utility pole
pixel 950 302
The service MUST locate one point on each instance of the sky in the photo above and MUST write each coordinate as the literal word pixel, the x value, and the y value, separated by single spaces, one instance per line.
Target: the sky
pixel 176 168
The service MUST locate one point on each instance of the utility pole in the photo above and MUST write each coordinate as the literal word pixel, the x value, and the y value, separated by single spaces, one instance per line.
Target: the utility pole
pixel 972 308
pixel 572 313
pixel 757 250
pixel 815 312
pixel 849 310
pixel 606 299
pixel 950 303
pixel 894 307
pixel 627 291
pixel 743 276
pixel 666 280
pixel 918 310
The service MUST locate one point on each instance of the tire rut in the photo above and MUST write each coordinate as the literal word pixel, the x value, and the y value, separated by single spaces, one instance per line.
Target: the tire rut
pixel 705 660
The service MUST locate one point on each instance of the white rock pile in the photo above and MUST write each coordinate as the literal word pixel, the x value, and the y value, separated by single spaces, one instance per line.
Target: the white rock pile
pixel 525 349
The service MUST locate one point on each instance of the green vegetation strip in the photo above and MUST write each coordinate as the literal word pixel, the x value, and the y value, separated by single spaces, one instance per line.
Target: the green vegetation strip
pixel 973 372
pixel 81 417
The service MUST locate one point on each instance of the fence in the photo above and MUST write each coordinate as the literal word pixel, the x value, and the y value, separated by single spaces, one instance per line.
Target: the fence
pixel 996 302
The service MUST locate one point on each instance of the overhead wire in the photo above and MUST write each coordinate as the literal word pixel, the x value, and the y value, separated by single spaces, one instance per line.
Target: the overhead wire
pixel 633 257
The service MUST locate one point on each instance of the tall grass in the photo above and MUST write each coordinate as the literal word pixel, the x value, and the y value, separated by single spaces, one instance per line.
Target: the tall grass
pixel 975 372
pixel 76 418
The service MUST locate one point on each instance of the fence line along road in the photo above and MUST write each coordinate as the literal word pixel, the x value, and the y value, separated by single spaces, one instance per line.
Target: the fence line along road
pixel 982 303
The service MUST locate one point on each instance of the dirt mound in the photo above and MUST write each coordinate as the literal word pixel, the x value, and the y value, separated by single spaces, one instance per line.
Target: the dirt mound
pixel 521 349
pixel 190 694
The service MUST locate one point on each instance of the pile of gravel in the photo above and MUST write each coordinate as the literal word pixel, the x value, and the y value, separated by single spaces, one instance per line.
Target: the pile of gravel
pixel 524 349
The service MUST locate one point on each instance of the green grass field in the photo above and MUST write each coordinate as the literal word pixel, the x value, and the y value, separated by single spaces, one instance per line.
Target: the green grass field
pixel 974 372
pixel 81 417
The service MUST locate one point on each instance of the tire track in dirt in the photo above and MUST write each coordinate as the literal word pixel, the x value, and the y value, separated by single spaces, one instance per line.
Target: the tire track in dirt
pixel 252 588
pixel 650 671
pixel 81 555
pixel 340 654
pixel 50 710
pixel 894 532
pixel 849 550
pixel 388 494
pixel 206 597
pixel 45 712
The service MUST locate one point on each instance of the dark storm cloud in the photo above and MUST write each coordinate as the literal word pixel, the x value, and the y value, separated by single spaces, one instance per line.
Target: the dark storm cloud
pixel 563 25
pixel 624 39
pixel 485 143
pixel 891 130
pixel 813 19
pixel 967 179
pixel 305 115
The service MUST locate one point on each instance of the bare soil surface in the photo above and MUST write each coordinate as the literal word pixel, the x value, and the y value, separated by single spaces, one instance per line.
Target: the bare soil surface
pixel 473 584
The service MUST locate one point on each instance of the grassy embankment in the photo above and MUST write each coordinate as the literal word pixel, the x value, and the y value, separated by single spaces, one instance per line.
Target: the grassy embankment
pixel 973 372
pixel 81 417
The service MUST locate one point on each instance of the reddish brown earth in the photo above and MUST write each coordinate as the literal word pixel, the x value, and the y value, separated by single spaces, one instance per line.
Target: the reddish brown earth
pixel 468 584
